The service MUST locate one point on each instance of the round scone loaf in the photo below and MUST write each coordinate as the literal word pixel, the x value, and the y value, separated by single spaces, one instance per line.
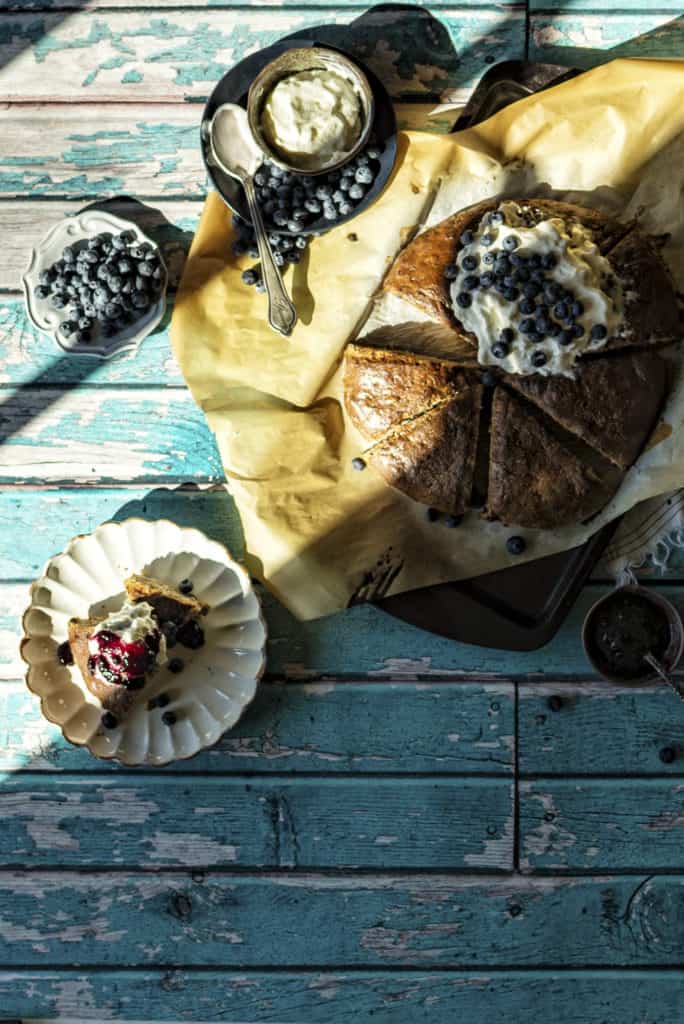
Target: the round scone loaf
pixel 561 311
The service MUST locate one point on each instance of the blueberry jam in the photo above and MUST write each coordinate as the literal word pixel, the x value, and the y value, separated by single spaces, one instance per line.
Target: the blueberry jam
pixel 119 662
pixel 191 635
pixel 623 630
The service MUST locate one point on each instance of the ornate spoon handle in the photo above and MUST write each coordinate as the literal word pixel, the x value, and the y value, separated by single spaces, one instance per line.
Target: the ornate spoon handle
pixel 282 316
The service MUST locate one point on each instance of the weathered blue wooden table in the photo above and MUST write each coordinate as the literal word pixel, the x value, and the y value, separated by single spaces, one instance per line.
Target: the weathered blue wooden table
pixel 402 828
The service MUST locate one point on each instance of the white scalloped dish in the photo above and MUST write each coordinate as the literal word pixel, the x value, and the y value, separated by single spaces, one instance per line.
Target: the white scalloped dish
pixel 69 231
pixel 218 680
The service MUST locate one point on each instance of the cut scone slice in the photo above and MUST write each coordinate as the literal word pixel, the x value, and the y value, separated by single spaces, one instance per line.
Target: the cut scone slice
pixel 536 479
pixel 651 310
pixel 168 603
pixel 383 387
pixel 113 697
pixel 611 404
pixel 431 459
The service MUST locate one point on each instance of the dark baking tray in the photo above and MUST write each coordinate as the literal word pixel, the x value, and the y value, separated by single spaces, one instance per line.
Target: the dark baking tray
pixel 521 608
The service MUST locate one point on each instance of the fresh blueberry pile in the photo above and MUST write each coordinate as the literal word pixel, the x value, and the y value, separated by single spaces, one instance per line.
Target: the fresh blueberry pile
pixel 108 282
pixel 544 308
pixel 291 203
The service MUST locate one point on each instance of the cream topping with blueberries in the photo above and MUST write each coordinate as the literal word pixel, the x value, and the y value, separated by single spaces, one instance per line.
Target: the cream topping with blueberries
pixel 535 296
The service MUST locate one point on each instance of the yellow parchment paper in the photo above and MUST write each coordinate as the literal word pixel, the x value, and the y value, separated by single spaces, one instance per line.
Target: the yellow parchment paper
pixel 317 532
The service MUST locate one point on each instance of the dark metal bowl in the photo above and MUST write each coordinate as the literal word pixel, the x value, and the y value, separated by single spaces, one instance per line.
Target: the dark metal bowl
pixel 234 88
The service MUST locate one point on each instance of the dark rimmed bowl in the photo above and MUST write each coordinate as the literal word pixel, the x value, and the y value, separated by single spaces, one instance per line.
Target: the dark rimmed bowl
pixel 673 652
pixel 234 88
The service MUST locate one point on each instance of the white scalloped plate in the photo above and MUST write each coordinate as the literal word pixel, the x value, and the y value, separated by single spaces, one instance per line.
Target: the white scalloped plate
pixel 42 315
pixel 218 681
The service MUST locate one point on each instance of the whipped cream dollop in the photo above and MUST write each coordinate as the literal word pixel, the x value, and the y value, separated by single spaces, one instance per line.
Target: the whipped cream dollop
pixel 536 296
pixel 126 645
pixel 312 117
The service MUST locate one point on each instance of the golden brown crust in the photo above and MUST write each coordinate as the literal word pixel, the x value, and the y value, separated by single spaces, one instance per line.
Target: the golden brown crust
pixel 611 404
pixel 431 459
pixel 167 603
pixel 535 479
pixel 383 387
pixel 651 313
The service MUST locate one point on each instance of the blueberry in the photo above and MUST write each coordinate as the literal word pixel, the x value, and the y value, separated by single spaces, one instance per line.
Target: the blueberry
pixel 253 251
pixel 516 259
pixel 510 243
pixel 577 330
pixel 239 247
pixel 364 175
pixel 286 242
pixel 526 306
pixel 91 256
pixel 539 358
pixel 469 262
pixel 522 275
pixel 463 299
pixel 139 300
pixel 69 254
pixel 163 700
pixel 85 323
pixel 58 300
pixel 471 281
pixel 531 289
pixel 64 654
pixel 83 337
pixel 127 237
pixel 279 259
pixel 118 243
pixel 169 718
pixel 486 280
pixel 538 276
pixel 496 217
pixel 577 309
pixel 329 212
pixel 548 261
pixel 511 294
pixel 453 521
pixel 111 310
pixel 432 515
pixel 489 379
pixel 527 327
pixel 323 192
pixel 293 256
pixel 67 327
pixel 554 329
pixel 249 276
pixel 502 267
pixel 185 586
pixel 500 350
pixel 552 291
pixel 109 721
pixel 509 281
pixel 489 258
pixel 543 324
pixel 373 152
pixel 115 284
pixel 566 338
pixel 301 241
pixel 507 335
pixel 466 238
pixel 260 178
pixel 146 268
pixel 312 206
pixel 356 191
pixel 176 665
pixel 487 239
pixel 598 332
pixel 280 218
pixel 191 635
pixel 515 545
pixel 345 209
pixel 499 286
pixel 535 260
pixel 560 310
pixel 41 291
pixel 451 272
pixel 358 463
pixel 46 276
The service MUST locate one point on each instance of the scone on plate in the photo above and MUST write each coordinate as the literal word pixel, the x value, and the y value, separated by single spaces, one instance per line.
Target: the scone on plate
pixel 118 653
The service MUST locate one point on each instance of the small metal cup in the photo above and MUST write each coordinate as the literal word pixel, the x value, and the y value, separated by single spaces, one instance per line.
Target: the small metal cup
pixel 673 653
pixel 308 59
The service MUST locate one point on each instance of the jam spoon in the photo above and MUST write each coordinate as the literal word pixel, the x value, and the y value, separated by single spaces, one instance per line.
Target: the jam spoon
pixel 233 149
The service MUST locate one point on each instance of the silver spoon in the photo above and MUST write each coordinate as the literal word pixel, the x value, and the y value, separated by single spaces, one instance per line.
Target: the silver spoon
pixel 660 670
pixel 234 150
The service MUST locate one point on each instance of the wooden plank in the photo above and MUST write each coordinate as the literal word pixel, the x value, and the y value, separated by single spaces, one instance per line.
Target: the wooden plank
pixel 503 997
pixel 347 727
pixel 408 921
pixel 180 54
pixel 170 224
pixel 162 821
pixel 87 435
pixel 30 357
pixel 364 641
pixel 584 40
pixel 599 728
pixel 614 824
pixel 225 5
